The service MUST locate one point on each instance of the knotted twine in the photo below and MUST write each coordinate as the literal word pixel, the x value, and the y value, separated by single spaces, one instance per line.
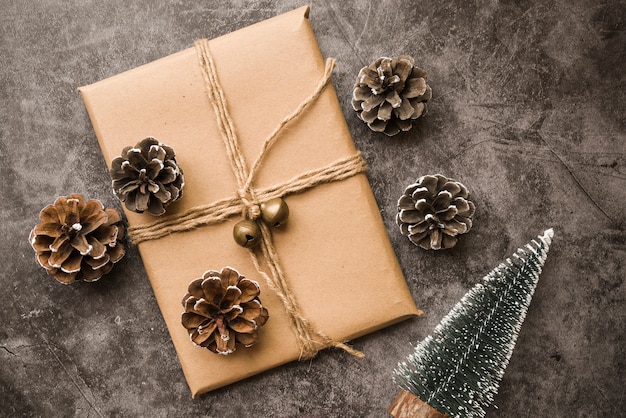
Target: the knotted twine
pixel 248 198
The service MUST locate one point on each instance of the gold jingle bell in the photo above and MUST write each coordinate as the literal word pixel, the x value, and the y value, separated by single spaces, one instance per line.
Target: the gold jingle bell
pixel 274 212
pixel 247 233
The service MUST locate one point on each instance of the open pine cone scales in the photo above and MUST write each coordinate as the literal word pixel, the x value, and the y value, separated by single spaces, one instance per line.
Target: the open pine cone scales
pixel 222 309
pixel 78 239
pixel 147 177
pixel 434 211
pixel 390 93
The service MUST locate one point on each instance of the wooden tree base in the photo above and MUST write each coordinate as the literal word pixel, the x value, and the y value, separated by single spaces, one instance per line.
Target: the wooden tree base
pixel 407 405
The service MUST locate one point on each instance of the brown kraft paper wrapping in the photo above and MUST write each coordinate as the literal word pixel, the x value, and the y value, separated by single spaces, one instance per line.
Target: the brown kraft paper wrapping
pixel 334 249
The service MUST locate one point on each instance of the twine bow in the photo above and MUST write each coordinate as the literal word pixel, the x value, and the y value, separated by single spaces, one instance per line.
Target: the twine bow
pixel 247 199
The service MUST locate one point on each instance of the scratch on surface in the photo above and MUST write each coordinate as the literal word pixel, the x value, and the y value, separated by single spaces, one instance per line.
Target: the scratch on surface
pixel 470 146
pixel 339 26
pixel 49 346
pixel 7 350
pixel 535 130
pixel 446 93
pixel 523 15
pixel 76 385
pixel 571 173
pixel 365 25
pixel 20 347
pixel 493 105
pixel 509 125
pixel 506 67
pixel 595 384
pixel 468 84
pixel 598 170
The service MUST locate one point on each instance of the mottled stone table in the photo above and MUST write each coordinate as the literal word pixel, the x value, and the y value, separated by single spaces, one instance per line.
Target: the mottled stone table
pixel 528 112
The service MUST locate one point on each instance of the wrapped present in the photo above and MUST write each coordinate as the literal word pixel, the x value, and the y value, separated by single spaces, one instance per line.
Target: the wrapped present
pixel 251 118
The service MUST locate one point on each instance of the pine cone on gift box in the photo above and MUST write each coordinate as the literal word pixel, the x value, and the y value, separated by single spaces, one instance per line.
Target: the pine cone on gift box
pixel 147 177
pixel 78 239
pixel 223 308
pixel 434 211
pixel 390 93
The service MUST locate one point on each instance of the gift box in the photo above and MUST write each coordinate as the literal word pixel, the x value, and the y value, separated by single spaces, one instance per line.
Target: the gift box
pixel 338 264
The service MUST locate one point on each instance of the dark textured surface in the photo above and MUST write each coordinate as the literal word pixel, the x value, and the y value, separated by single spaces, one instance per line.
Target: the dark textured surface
pixel 528 112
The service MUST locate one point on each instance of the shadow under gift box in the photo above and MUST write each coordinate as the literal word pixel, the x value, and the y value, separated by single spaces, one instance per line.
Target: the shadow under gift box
pixel 337 258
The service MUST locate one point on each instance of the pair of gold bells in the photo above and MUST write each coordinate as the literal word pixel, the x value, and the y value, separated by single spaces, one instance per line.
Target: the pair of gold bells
pixel 274 212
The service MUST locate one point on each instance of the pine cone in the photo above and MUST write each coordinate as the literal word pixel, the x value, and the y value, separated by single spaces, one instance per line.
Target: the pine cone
pixel 147 177
pixel 390 93
pixel 434 211
pixel 223 308
pixel 78 240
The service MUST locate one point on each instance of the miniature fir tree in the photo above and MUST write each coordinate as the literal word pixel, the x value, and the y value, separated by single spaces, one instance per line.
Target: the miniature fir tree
pixel 456 372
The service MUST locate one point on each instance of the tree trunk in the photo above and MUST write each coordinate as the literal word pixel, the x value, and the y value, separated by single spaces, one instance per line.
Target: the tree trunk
pixel 407 405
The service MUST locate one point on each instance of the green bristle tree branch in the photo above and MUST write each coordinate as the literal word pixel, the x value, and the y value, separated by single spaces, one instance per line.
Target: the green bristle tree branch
pixel 457 370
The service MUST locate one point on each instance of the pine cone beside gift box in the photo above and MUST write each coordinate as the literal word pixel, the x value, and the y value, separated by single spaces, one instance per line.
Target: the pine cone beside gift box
pixel 390 93
pixel 147 177
pixel 78 239
pixel 434 211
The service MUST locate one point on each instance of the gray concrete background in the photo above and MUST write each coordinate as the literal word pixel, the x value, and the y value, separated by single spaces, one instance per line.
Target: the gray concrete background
pixel 528 112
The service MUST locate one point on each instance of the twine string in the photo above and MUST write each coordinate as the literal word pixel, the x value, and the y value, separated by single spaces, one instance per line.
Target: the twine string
pixel 225 123
pixel 309 345
pixel 223 209
pixel 248 198
pixel 271 139
pixel 303 329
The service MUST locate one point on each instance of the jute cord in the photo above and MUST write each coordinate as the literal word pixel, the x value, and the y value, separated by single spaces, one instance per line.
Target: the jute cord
pixel 247 199
pixel 221 210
